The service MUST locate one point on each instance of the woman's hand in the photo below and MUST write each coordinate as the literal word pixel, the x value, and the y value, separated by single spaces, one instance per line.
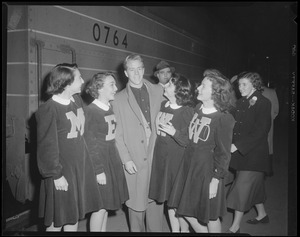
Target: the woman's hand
pixel 213 188
pixel 233 148
pixel 101 178
pixel 167 128
pixel 61 184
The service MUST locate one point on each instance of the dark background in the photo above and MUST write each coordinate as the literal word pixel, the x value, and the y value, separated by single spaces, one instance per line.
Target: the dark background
pixel 267 31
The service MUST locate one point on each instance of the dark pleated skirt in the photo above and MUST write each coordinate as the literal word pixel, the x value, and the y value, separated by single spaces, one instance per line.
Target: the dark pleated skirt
pixel 190 193
pixel 67 207
pixel 166 161
pixel 115 192
pixel 247 190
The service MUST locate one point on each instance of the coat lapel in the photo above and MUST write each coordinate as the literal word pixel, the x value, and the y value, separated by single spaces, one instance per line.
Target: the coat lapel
pixel 133 103
pixel 152 97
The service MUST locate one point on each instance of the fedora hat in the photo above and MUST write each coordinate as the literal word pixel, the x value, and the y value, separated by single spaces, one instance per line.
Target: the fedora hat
pixel 162 65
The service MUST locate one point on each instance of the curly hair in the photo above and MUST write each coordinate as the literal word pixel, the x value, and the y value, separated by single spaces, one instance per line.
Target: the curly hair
pixel 254 78
pixel 60 76
pixel 222 93
pixel 97 82
pixel 184 90
pixel 213 71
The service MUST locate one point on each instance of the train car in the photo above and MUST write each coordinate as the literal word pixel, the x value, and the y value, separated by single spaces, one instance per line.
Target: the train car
pixel 97 38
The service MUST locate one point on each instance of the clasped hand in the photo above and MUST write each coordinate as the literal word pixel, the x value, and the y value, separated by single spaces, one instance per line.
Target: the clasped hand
pixel 233 148
pixel 130 167
pixel 61 184
pixel 213 188
pixel 101 178
pixel 167 128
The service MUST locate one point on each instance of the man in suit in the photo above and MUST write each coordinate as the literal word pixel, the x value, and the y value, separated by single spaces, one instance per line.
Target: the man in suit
pixel 163 71
pixel 136 108
pixel 270 94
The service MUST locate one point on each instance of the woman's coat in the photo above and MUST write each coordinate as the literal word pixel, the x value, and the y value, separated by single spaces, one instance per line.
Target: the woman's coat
pixel 250 134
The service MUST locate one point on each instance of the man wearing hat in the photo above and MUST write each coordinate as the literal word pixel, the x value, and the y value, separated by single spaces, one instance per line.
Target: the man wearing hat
pixel 163 71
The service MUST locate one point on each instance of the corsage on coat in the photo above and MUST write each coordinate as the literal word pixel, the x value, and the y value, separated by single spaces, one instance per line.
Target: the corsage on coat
pixel 252 101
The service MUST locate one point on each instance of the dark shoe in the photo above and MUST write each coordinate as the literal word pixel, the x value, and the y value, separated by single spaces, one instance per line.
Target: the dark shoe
pixel 229 231
pixel 255 221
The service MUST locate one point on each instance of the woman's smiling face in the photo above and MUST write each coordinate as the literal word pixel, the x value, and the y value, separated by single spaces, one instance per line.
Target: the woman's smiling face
pixel 245 86
pixel 169 90
pixel 108 91
pixel 204 90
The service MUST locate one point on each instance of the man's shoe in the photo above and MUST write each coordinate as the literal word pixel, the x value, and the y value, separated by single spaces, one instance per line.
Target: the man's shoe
pixel 255 221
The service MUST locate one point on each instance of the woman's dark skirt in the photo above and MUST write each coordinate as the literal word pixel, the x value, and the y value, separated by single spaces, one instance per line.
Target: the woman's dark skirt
pixel 247 190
